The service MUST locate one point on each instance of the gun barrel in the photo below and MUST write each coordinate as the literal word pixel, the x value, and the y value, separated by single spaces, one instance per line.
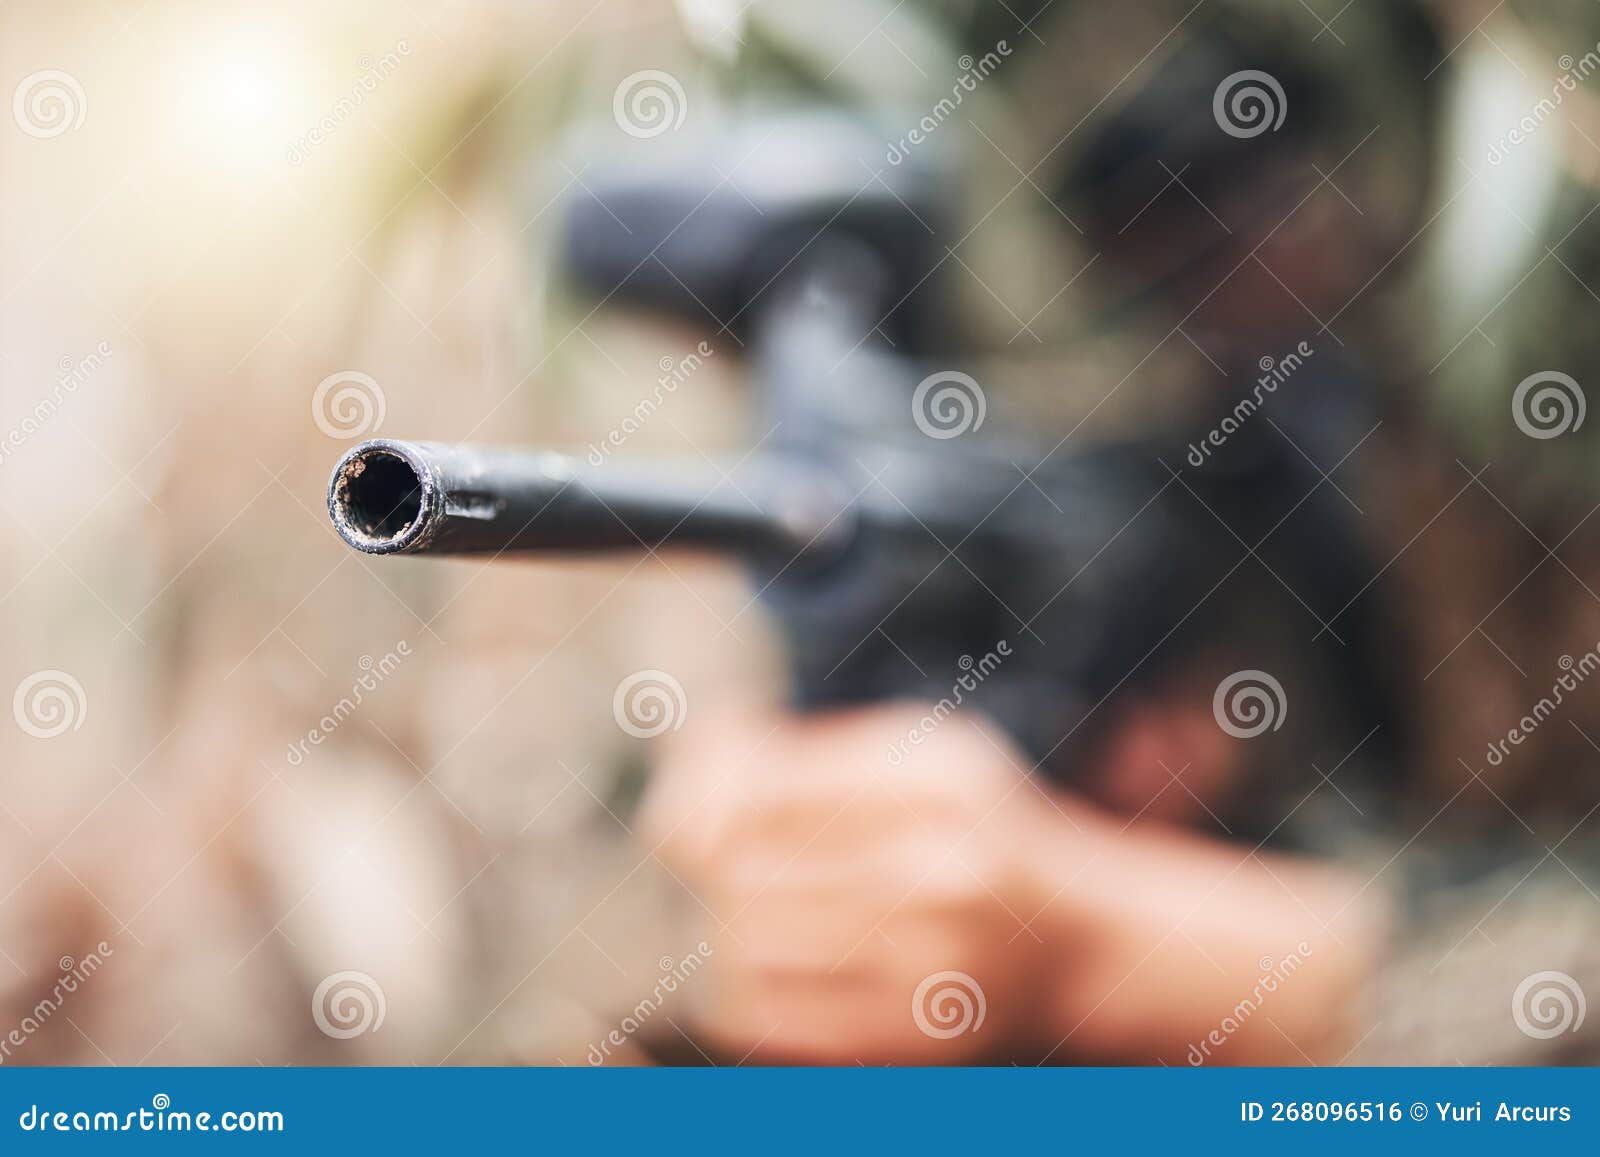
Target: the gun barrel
pixel 392 497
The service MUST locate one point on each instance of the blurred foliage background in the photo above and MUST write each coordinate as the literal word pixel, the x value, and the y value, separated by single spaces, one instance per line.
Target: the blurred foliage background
pixel 462 837
pixel 165 542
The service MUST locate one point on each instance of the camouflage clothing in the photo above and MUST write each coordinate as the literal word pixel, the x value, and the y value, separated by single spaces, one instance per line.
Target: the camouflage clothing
pixel 1424 216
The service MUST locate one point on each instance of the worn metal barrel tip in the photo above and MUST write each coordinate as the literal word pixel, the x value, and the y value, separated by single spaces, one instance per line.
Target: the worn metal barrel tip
pixel 384 498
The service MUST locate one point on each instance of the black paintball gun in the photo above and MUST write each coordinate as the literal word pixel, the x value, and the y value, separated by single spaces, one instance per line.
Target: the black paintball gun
pixel 892 520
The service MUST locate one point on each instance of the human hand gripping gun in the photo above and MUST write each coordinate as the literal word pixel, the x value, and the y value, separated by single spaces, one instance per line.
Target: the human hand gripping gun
pixel 908 545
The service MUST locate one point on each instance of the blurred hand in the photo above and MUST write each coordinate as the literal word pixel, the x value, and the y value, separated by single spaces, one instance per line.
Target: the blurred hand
pixel 846 881
pixel 946 908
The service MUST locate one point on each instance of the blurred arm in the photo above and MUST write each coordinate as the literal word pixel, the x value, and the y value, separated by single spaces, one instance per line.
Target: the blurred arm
pixel 855 899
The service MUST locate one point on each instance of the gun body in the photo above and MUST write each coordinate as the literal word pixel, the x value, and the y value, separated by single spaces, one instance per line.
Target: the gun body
pixel 893 571
pixel 900 560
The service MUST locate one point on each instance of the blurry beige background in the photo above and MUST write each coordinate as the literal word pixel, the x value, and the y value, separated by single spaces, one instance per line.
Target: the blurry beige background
pixel 195 265
pixel 209 210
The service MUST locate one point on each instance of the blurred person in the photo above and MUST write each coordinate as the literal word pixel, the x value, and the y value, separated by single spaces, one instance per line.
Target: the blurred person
pixel 952 909
pixel 473 859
